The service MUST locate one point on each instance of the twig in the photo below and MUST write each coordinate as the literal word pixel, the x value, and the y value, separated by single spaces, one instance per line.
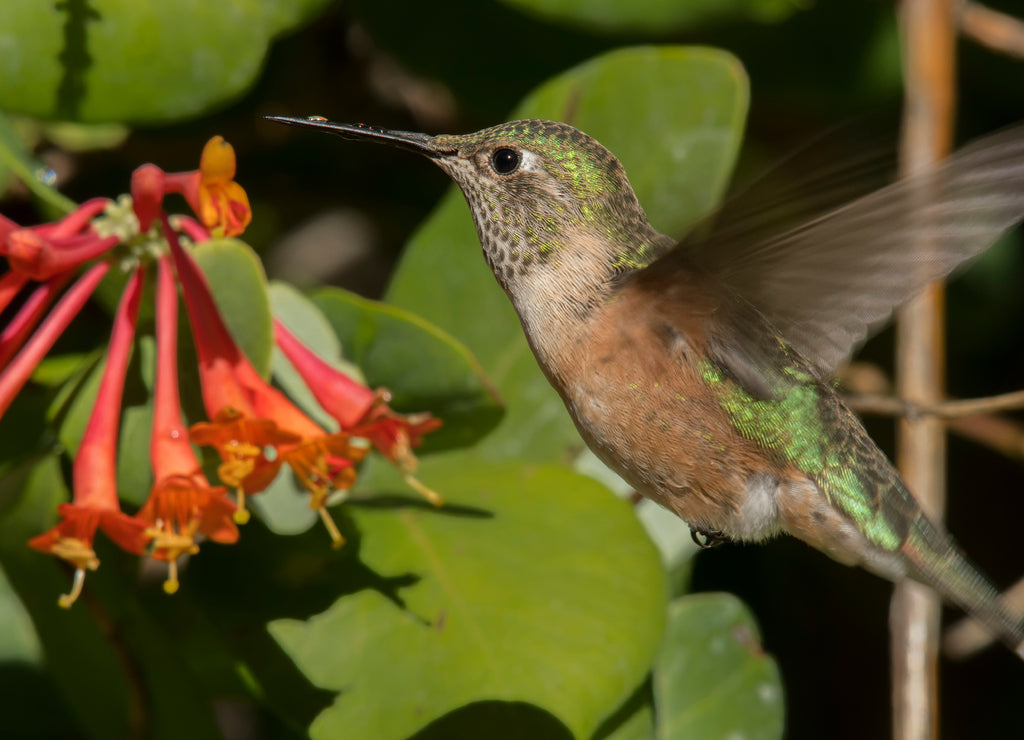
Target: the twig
pixel 1000 434
pixel 867 390
pixel 887 405
pixel 928 48
pixel 997 31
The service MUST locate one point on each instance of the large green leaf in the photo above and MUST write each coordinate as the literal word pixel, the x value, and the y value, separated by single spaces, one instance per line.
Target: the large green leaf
pixel 713 679
pixel 425 368
pixel 654 16
pixel 119 60
pixel 674 116
pixel 508 603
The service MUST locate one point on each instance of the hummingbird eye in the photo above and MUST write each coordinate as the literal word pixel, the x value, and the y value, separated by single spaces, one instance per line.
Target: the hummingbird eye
pixel 505 161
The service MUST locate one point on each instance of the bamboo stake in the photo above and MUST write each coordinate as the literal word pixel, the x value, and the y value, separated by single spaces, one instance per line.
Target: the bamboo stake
pixel 928 57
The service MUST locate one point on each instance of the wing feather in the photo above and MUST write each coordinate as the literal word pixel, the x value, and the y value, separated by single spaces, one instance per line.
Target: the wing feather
pixel 829 282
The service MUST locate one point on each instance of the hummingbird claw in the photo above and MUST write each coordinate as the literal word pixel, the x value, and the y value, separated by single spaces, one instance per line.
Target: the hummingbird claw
pixel 705 539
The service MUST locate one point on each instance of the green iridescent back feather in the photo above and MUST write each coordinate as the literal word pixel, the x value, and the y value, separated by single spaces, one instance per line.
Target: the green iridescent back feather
pixel 799 420
pixel 803 423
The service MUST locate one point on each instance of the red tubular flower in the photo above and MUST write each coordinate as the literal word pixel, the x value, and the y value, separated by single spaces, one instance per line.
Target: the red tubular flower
pixel 181 503
pixel 190 228
pixel 41 252
pixel 220 202
pixel 360 411
pixel 31 254
pixel 340 396
pixel 10 284
pixel 234 429
pixel 15 375
pixel 6 227
pixel 248 415
pixel 15 333
pixel 76 221
pixel 148 188
pixel 94 503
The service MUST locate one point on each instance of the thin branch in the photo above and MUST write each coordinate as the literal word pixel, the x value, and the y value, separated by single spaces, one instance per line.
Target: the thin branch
pixel 997 31
pixel 884 404
pixel 1000 434
pixel 867 390
pixel 954 409
pixel 929 42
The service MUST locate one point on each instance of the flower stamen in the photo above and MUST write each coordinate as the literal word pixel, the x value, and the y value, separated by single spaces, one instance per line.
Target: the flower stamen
pixel 66 600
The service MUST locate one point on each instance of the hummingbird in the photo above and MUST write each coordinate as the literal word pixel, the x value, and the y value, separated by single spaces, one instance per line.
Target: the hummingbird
pixel 699 370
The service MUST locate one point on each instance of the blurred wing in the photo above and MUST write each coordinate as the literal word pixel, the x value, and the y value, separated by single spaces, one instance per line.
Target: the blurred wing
pixel 824 173
pixel 826 284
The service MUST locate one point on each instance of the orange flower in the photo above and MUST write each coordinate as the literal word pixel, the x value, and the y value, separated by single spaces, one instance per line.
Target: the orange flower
pixel 242 444
pixel 180 507
pixel 323 465
pixel 221 203
pixel 71 540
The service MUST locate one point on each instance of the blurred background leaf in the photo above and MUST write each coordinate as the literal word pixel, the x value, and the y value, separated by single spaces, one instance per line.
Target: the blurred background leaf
pixel 659 17
pixel 118 61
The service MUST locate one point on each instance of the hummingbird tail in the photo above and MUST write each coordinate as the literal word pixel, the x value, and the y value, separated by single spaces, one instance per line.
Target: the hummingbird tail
pixel 936 560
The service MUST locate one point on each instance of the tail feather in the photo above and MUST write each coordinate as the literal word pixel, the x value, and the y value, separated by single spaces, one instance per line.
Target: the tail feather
pixel 935 559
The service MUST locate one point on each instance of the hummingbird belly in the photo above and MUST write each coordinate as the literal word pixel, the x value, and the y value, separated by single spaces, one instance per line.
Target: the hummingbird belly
pixel 650 419
pixel 687 460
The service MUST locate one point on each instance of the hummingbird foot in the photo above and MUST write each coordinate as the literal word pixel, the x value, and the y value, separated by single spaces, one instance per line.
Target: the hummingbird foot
pixel 705 539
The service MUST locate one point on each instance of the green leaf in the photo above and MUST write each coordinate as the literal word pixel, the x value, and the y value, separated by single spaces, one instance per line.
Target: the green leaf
pixel 134 471
pixel 77 137
pixel 713 678
pixel 507 604
pixel 239 288
pixel 125 61
pixel 74 402
pixel 634 720
pixel 425 368
pixel 655 16
pixel 18 638
pixel 678 149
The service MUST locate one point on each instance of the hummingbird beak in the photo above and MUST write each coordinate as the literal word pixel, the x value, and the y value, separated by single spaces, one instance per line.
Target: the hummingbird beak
pixel 419 143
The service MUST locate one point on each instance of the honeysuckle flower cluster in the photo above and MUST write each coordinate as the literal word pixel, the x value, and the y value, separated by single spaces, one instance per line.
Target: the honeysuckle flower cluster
pixel 54 268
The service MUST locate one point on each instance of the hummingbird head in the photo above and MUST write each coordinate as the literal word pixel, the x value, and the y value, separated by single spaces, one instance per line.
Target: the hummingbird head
pixel 546 199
